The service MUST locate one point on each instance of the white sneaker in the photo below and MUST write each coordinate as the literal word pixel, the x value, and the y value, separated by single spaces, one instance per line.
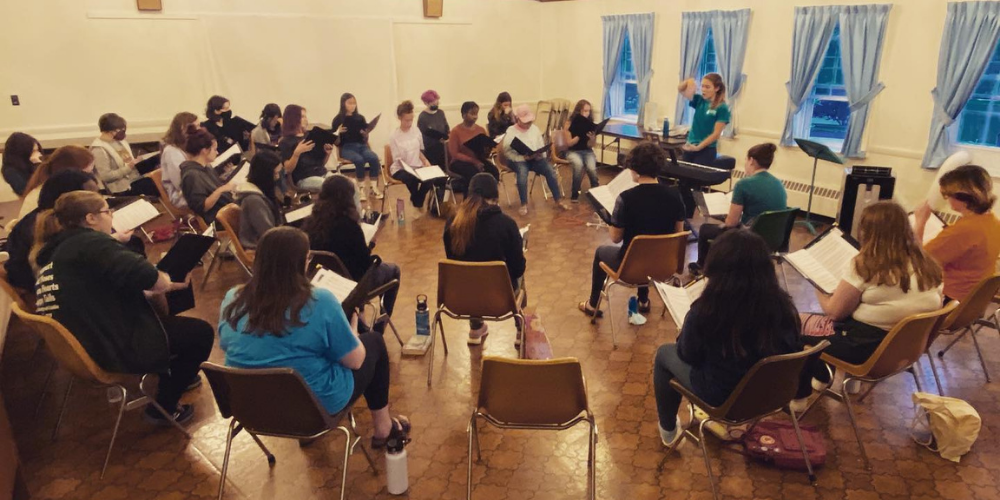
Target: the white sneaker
pixel 799 405
pixel 364 195
pixel 377 193
pixel 523 210
pixel 477 336
pixel 636 319
pixel 671 439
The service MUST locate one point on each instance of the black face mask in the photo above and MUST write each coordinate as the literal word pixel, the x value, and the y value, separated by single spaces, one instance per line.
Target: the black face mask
pixel 433 108
pixel 226 115
pixel 120 136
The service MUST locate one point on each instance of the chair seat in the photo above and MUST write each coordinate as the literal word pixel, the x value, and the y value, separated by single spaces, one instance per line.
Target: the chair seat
pixel 612 273
pixel 714 412
pixel 855 370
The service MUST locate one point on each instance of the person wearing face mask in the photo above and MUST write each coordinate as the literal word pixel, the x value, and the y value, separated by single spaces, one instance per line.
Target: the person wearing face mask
pixel 204 191
pixel 22 153
pixel 257 199
pixel 501 117
pixel 464 161
pixel 433 125
pixel 219 111
pixel 267 133
pixel 525 130
pixel 306 166
pixel 113 160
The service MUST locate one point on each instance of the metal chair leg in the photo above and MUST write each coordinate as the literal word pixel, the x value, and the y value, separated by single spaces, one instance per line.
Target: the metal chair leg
pixel 708 461
pixel 225 459
pixel 430 351
pixel 394 331
pixel 62 409
pixel 953 342
pixel 937 378
pixel 118 423
pixel 357 443
pixel 854 423
pixel 347 456
pixel 472 437
pixel 611 315
pixel 45 389
pixel 916 377
pixel 979 351
pixel 211 265
pixel 592 461
pixel 267 453
pixel 802 445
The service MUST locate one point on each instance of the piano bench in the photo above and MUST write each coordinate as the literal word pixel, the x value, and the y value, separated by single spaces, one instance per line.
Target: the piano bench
pixel 724 162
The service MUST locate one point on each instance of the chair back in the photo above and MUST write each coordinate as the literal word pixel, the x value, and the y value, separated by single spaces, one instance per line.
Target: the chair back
pixel 65 348
pixel 13 293
pixel 328 260
pixel 532 392
pixel 476 289
pixel 658 257
pixel 268 401
pixel 157 176
pixel 229 217
pixel 775 227
pixel 769 385
pixel 500 158
pixel 905 343
pixel 974 305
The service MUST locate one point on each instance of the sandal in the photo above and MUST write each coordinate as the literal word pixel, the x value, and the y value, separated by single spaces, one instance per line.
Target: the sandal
pixel 400 430
pixel 585 308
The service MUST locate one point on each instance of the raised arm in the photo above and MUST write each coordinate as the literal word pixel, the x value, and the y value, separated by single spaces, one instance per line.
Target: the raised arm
pixel 687 88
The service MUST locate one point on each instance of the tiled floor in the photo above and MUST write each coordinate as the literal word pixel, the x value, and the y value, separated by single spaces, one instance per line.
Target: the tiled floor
pixel 631 464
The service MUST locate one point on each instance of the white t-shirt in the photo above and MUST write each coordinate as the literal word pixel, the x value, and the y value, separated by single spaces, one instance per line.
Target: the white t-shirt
pixel 884 306
pixel 405 146
pixel 531 138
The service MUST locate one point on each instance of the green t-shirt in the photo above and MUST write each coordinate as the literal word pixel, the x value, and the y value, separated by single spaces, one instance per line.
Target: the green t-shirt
pixel 759 193
pixel 703 123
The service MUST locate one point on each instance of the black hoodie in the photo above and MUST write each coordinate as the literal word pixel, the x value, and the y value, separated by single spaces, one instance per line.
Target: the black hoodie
pixel 497 237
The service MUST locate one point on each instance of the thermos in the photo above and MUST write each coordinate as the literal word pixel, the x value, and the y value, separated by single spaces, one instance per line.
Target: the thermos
pixel 423 316
pixel 397 479
pixel 633 305
pixel 400 211
pixel 666 127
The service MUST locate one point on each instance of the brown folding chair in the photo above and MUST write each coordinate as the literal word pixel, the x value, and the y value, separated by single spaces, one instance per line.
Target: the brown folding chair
pixel 469 290
pixel 533 394
pixel 276 402
pixel 229 218
pixel 175 212
pixel 899 352
pixel 968 318
pixel 766 389
pixel 68 352
pixel 390 181
pixel 648 258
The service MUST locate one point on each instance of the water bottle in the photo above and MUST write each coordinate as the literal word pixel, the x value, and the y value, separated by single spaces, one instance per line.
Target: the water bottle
pixel 400 211
pixel 397 479
pixel 633 305
pixel 666 127
pixel 423 316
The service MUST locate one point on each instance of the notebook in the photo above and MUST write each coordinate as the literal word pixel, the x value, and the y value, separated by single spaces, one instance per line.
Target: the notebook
pixel 824 261
pixel 607 195
pixel 933 228
pixel 713 204
pixel 587 126
pixel 235 127
pixel 340 286
pixel 229 153
pixel 133 215
pixel 424 173
pixel 435 134
pixel 148 162
pixel 524 150
pixel 241 174
pixel 679 299
pixel 370 230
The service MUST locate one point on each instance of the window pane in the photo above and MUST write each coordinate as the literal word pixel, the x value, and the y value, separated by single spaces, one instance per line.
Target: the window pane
pixel 625 69
pixel 829 116
pixel 708 63
pixel 829 119
pixel 979 121
pixel 631 99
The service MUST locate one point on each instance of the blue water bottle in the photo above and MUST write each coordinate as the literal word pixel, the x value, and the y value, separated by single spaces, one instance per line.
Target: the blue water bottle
pixel 666 127
pixel 400 211
pixel 633 305
pixel 423 316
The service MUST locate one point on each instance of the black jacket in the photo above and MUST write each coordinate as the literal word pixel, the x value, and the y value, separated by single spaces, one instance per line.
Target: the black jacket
pixel 497 237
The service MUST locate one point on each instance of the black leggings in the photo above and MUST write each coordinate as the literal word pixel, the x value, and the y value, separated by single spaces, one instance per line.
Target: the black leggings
pixel 372 379
pixel 419 190
pixel 467 170
pixel 706 234
pixel 191 341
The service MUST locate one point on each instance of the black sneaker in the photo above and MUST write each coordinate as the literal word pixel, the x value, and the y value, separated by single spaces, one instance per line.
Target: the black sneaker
pixel 644 307
pixel 183 414
pixel 694 269
pixel 194 384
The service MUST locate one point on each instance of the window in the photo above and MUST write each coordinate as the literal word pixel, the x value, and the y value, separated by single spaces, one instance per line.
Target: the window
pixel 708 64
pixel 626 79
pixel 979 121
pixel 827 106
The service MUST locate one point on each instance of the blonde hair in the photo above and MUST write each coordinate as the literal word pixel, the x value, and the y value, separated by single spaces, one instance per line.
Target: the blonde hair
pixel 71 210
pixel 890 252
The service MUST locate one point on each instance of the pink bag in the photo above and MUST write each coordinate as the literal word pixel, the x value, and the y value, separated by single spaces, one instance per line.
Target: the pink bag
pixel 775 442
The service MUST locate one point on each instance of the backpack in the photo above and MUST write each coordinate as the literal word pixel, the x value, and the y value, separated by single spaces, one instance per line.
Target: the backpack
pixel 774 442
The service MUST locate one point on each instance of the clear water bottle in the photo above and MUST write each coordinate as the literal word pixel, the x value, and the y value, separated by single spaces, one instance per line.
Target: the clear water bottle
pixel 423 316
pixel 397 479
pixel 400 211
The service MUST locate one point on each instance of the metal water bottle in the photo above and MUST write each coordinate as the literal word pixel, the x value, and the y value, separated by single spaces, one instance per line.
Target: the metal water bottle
pixel 397 479
pixel 400 211
pixel 633 305
pixel 666 127
pixel 423 316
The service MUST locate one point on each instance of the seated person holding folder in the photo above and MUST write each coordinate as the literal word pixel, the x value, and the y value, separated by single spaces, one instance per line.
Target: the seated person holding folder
pixel 756 193
pixel 173 155
pixel 113 160
pixel 406 144
pixel 480 232
pixel 306 165
pixel 580 129
pixel 279 320
pixel 82 269
pixel 203 190
pixel 352 132
pixel 649 208
pixel 335 226
pixel 218 114
pixel 268 130
pixel 527 134
pixel 735 323
pixel 967 249
pixel 433 125
pixel 891 278
pixel 464 161
pixel 259 206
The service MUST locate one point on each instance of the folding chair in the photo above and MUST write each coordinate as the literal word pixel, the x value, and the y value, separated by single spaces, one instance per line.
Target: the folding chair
pixel 229 218
pixel 968 318
pixel 775 227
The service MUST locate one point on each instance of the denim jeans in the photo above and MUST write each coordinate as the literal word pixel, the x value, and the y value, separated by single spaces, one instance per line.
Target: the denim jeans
pixel 668 366
pixel 360 154
pixel 580 160
pixel 540 167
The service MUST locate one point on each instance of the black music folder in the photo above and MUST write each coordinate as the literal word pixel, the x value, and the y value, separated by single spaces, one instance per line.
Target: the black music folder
pixel 235 127
pixel 586 126
pixel 179 261
pixel 147 163
pixel 480 144
pixel 437 135
pixel 266 147
pixel 373 123
pixel 320 137
pixel 524 150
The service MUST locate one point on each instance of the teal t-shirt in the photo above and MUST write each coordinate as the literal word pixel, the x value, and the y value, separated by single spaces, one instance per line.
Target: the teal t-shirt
pixel 703 123
pixel 759 193
pixel 313 349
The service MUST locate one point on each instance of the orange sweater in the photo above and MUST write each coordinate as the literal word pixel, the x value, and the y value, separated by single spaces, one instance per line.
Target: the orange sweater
pixel 968 252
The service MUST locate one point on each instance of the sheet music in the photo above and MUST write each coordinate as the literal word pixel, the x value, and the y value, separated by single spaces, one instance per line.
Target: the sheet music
pixel 146 156
pixel 340 286
pixel 371 230
pixel 824 263
pixel 219 160
pixel 498 139
pixel 241 175
pixel 299 214
pixel 424 173
pixel 933 228
pixel 524 237
pixel 133 215
pixel 210 232
pixel 679 300
pixel 607 194
pixel 718 203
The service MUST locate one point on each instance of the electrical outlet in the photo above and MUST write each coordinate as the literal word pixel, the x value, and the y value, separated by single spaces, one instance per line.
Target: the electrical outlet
pixel 14 101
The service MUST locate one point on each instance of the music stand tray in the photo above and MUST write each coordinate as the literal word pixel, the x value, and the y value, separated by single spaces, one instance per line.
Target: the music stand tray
pixel 817 152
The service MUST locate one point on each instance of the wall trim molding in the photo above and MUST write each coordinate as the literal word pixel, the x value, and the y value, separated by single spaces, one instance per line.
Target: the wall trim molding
pixel 194 16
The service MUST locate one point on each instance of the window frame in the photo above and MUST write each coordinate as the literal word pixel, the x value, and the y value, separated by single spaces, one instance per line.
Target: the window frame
pixel 806 113
pixel 991 114
pixel 626 78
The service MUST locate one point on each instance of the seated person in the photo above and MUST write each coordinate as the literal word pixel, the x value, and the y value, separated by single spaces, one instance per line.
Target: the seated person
pixel 581 147
pixel 968 249
pixel 203 190
pixel 113 160
pixel 173 155
pixel 717 344
pixel 259 206
pixel 64 158
pixel 753 195
pixel 407 144
pixel 335 226
pixel 649 208
pixel 219 112
pixel 501 116
pixel 433 120
pixel 21 155
pixel 891 278
pixel 268 131
pixel 278 319
pixel 82 269
pixel 480 232
pixel 352 137
pixel 465 162
pixel 307 170
pixel 525 130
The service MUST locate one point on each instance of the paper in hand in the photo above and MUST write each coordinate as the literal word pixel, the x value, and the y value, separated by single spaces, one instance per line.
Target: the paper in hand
pixel 133 215
pixel 235 150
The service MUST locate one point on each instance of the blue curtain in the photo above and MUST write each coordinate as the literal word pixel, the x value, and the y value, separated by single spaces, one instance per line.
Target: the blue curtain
pixel 862 31
pixel 729 31
pixel 971 30
pixel 614 37
pixel 813 29
pixel 640 32
pixel 694 29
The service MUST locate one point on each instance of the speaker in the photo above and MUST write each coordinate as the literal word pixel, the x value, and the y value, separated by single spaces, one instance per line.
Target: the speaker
pixel 862 187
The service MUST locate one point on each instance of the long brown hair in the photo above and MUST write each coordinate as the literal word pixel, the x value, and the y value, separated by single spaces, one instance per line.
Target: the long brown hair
pixel 890 251
pixel 463 226
pixel 70 211
pixel 579 109
pixel 497 110
pixel 720 88
pixel 64 158
pixel 277 292
pixel 970 184
pixel 335 200
pixel 175 135
pixel 291 122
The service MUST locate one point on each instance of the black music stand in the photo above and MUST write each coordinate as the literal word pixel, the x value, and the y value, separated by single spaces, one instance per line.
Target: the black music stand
pixel 817 152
